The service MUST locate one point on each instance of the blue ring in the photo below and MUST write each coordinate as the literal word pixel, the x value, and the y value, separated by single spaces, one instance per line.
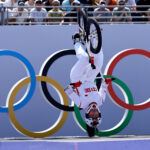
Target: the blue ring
pixel 32 75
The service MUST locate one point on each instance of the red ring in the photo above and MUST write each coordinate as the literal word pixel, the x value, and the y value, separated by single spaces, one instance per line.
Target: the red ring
pixel 109 71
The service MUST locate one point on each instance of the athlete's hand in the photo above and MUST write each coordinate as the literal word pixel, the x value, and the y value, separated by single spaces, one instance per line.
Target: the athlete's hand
pixel 68 90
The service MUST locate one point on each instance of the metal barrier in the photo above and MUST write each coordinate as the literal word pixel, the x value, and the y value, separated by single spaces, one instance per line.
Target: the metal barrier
pixel 22 16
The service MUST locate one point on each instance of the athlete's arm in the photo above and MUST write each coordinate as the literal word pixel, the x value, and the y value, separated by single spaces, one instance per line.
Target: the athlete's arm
pixel 73 95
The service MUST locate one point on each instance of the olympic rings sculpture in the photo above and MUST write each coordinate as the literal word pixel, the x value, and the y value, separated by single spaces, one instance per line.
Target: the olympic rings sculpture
pixel 28 67
pixel 64 106
pixel 109 69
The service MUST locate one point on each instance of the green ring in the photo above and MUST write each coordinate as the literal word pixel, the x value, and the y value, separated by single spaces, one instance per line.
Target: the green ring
pixel 124 121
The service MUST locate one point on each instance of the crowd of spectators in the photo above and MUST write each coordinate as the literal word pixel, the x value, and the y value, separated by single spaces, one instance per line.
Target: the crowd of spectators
pixel 24 12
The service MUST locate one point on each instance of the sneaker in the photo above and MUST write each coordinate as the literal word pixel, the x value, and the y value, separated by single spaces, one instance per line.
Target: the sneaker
pixel 108 80
pixel 76 38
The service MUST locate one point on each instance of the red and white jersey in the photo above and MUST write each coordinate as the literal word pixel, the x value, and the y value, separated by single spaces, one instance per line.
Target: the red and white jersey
pixel 88 93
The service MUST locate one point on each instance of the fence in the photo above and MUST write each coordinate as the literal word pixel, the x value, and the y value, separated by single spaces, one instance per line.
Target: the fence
pixel 25 16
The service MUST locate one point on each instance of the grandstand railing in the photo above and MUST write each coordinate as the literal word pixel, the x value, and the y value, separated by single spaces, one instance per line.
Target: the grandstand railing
pixel 7 16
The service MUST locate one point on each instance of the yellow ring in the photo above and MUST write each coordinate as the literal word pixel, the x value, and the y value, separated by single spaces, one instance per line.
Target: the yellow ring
pixel 60 121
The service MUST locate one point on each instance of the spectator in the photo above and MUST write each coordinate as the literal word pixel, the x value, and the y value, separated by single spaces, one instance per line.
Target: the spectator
pixel 111 4
pixel 131 4
pixel 84 2
pixel 10 3
pixel 14 3
pixel 91 5
pixel 48 3
pixel 55 12
pixel 7 13
pixel 90 2
pixel 101 12
pixel 93 2
pixel 20 14
pixel 143 15
pixel 30 4
pixel 148 14
pixel 74 13
pixel 143 2
pixel 38 15
pixel 67 3
pixel 122 13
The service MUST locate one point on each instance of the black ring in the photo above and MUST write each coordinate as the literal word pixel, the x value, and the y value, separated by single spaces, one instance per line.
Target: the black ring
pixel 44 72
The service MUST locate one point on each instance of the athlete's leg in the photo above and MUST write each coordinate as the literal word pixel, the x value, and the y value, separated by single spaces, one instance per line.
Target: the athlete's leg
pixel 98 62
pixel 99 58
pixel 73 95
pixel 79 68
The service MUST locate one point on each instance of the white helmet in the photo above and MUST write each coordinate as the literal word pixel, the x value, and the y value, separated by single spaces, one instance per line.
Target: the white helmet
pixel 92 122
